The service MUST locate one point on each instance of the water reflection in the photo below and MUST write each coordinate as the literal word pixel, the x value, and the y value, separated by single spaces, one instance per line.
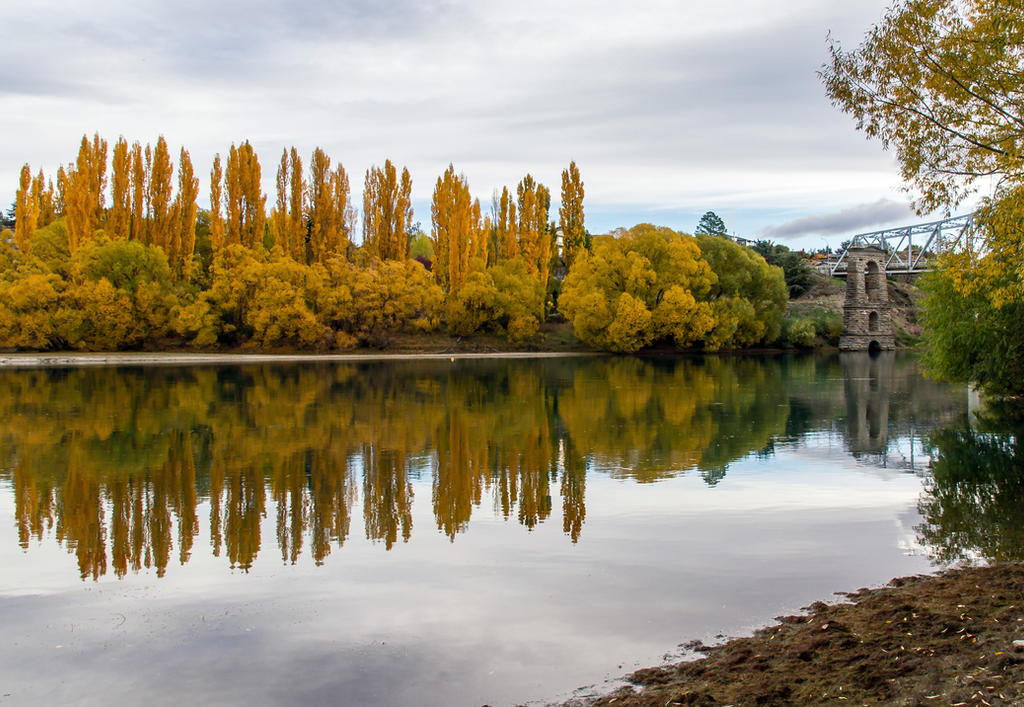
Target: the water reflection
pixel 973 505
pixel 116 463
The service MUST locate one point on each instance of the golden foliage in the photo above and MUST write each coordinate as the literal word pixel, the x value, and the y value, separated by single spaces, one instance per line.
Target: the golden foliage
pixel 119 218
pixel 26 210
pixel 458 233
pixel 570 215
pixel 245 203
pixel 940 83
pixel 387 212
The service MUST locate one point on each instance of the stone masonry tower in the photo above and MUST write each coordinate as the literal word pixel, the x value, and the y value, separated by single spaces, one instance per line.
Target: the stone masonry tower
pixel 867 313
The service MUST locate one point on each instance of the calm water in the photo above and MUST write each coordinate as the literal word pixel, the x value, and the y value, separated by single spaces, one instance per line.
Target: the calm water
pixel 460 533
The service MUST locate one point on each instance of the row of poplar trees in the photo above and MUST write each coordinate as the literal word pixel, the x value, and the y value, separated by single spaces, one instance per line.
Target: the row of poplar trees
pixel 313 218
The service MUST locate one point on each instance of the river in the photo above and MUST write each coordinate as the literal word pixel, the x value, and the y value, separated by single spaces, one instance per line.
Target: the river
pixel 438 532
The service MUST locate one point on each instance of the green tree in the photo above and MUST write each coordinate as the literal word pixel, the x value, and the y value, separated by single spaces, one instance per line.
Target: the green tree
pixel 648 284
pixel 711 224
pixel 796 272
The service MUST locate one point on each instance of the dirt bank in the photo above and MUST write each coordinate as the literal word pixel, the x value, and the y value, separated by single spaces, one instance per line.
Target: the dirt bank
pixel 938 640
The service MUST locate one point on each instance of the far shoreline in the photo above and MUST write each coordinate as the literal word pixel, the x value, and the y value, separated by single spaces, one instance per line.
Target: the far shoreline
pixel 139 358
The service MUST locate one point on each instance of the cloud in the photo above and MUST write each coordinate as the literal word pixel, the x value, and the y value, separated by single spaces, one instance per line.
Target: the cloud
pixel 845 222
pixel 665 105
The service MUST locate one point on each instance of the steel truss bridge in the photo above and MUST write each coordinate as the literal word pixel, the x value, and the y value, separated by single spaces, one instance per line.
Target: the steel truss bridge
pixel 910 250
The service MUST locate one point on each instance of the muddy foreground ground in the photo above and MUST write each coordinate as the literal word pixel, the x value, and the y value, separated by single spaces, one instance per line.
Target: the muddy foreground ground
pixel 938 640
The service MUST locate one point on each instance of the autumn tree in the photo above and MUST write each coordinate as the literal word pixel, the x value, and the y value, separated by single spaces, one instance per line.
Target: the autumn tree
pixel 216 191
pixel 387 212
pixel 279 215
pixel 646 285
pixel 570 215
pixel 245 203
pixel 458 233
pixel 939 82
pixel 534 201
pixel 159 183
pixel 183 217
pixel 329 208
pixel 297 221
pixel 119 218
pixel 84 191
pixel 503 220
pixel 42 194
pixel 139 191
pixel 26 210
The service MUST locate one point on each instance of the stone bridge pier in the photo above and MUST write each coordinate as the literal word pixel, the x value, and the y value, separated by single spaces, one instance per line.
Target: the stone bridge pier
pixel 867 312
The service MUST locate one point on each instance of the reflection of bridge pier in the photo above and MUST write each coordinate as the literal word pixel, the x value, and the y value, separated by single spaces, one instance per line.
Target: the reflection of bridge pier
pixel 867 385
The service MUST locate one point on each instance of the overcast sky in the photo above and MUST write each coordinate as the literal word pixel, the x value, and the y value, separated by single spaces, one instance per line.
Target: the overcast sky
pixel 669 107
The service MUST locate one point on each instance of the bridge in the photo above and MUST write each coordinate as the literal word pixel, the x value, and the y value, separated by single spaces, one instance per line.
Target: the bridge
pixel 909 250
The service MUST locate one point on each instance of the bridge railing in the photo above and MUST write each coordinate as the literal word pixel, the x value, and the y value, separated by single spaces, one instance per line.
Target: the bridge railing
pixel 910 249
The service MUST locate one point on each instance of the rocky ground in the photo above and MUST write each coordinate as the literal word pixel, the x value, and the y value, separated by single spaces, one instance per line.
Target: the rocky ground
pixel 952 639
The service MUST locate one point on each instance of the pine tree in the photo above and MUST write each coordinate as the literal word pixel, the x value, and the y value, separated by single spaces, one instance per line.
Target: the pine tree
pixel 570 215
pixel 711 225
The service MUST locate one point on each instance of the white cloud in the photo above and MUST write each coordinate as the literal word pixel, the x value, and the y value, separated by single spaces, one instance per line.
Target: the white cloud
pixel 664 104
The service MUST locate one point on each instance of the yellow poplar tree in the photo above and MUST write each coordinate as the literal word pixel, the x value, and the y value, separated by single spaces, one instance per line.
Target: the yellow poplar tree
pixel 297 209
pixel 59 203
pixel 454 227
pixel 246 203
pixel 138 194
pixel 26 211
pixel 344 216
pixel 280 213
pixel 534 199
pixel 387 212
pixel 84 191
pixel 570 215
pixel 185 212
pixel 216 222
pixel 161 172
pixel 43 197
pixel 507 241
pixel 322 217
pixel 119 217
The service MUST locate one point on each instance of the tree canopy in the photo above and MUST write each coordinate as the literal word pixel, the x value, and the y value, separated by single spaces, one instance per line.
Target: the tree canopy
pixel 941 83
pixel 711 224
pixel 652 284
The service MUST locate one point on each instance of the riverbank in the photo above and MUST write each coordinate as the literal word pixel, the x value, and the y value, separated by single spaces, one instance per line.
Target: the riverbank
pixel 947 639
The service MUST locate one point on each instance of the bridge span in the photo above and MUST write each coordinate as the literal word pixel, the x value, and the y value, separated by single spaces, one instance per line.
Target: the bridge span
pixel 909 249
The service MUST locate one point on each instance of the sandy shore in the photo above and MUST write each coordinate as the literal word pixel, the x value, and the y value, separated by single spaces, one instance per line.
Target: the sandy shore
pixel 75 360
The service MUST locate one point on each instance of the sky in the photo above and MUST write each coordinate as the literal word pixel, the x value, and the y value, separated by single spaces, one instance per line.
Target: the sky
pixel 670 108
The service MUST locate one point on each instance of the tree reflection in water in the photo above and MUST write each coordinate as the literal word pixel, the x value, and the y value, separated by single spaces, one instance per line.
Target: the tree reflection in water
pixel 973 504
pixel 116 464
